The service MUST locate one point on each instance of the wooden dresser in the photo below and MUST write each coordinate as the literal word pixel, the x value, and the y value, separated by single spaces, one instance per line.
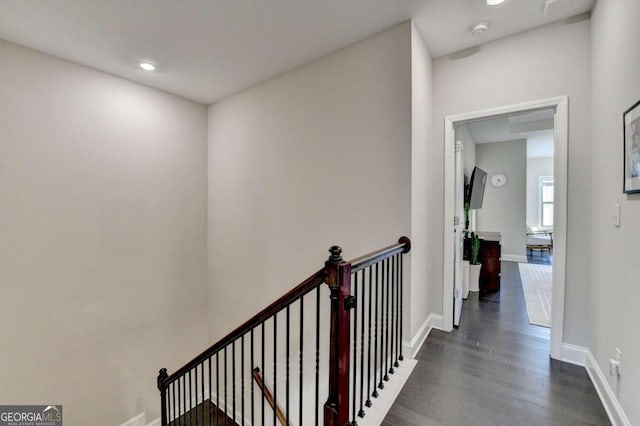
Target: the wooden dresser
pixel 490 250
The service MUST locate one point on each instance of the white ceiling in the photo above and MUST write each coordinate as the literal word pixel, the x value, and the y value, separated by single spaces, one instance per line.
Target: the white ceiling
pixel 536 127
pixel 208 49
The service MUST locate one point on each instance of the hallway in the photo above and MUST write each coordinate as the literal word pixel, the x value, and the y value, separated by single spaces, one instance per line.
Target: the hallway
pixel 495 370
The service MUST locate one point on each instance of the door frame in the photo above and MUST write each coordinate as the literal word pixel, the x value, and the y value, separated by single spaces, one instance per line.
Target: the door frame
pixel 458 239
pixel 560 166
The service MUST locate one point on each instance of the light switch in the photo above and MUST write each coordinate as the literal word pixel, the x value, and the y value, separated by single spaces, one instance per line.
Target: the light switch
pixel 616 215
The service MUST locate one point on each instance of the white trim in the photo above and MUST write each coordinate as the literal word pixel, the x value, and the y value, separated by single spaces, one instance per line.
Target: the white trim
pixel 379 410
pixel 436 321
pixel 606 394
pixel 583 357
pixel 449 212
pixel 138 420
pixel 514 258
pixel 573 354
pixel 561 139
pixel 560 173
pixel 413 346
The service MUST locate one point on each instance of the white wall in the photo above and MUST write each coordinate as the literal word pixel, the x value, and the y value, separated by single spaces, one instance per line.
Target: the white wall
pixel 318 156
pixel 542 63
pixel 536 167
pixel 102 255
pixel 421 211
pixel 504 209
pixel 615 265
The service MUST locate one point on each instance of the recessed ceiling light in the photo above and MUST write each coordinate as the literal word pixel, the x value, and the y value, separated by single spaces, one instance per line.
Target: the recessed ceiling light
pixel 494 2
pixel 147 66
pixel 479 28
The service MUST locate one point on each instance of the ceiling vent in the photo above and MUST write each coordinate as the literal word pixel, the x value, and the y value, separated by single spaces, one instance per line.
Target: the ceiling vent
pixel 479 28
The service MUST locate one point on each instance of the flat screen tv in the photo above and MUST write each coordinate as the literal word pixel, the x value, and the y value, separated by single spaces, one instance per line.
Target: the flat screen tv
pixel 475 190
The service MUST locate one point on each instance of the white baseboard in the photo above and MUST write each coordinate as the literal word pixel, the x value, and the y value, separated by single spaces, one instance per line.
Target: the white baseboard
pixel 582 356
pixel 606 394
pixel 381 405
pixel 413 346
pixel 138 420
pixel 514 258
pixel 573 354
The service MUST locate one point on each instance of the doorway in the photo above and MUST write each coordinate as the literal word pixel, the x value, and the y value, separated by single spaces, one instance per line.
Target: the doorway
pixel 558 108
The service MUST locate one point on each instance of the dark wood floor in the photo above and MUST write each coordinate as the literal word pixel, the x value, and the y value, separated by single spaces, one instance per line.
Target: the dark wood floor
pixel 495 370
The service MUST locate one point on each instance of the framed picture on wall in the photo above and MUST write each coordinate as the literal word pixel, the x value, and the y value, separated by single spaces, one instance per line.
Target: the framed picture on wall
pixel 631 132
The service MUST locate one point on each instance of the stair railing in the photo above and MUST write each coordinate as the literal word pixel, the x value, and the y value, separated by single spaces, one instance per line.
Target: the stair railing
pixel 370 287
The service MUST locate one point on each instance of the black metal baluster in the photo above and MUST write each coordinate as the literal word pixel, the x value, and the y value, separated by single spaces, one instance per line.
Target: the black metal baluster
pixel 300 360
pixel 210 396
pixel 392 317
pixel 173 400
pixel 375 336
pixel 386 324
pixel 397 309
pixel 218 387
pixel 362 306
pixel 166 402
pixel 287 373
pixel 317 404
pixel 233 379
pixel 355 346
pixel 181 400
pixel 195 391
pixel 383 320
pixel 226 407
pixel 190 401
pixel 368 401
pixel 401 305
pixel 382 324
pixel 263 372
pixel 275 366
pixel 252 388
pixel 184 396
pixel 242 378
pixel 202 388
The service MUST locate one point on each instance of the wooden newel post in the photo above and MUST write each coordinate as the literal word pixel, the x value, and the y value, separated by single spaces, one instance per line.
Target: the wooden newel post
pixel 162 387
pixel 336 409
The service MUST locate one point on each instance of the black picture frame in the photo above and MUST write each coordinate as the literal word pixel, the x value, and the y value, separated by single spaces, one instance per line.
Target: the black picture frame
pixel 631 151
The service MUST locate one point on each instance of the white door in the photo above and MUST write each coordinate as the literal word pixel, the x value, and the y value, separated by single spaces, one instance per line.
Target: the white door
pixel 458 232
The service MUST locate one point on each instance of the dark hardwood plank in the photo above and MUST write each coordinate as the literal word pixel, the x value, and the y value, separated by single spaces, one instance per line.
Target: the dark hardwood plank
pixel 495 370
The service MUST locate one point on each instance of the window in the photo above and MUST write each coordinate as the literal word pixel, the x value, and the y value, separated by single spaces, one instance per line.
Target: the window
pixel 546 201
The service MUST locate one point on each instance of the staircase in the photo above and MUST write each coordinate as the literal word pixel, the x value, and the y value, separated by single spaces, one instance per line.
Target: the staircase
pixel 320 354
pixel 205 414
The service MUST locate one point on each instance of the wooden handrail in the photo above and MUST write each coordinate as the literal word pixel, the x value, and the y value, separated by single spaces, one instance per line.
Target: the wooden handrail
pixel 359 263
pixel 298 291
pixel 269 396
